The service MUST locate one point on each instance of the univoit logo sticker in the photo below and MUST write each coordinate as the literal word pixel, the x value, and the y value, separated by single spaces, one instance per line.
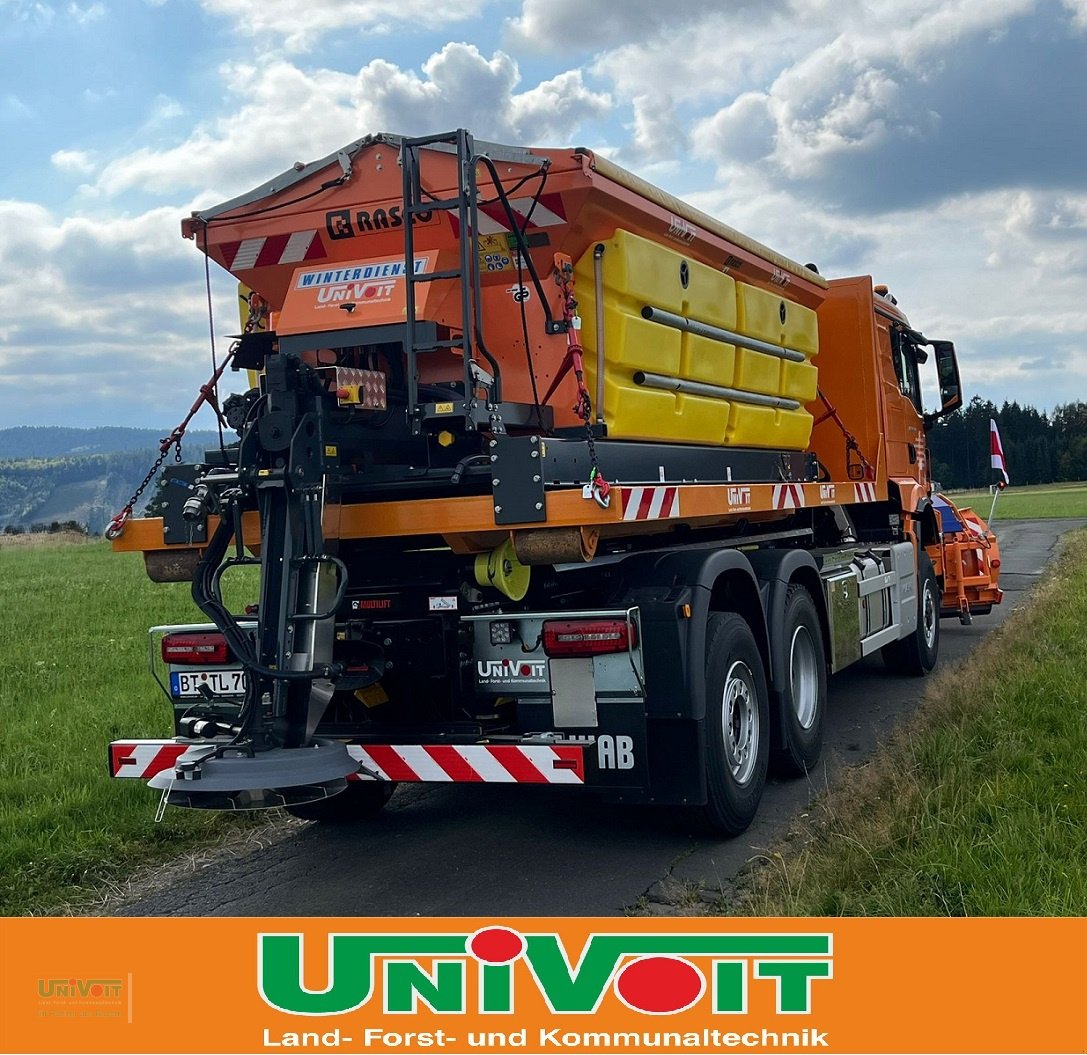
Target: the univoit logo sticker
pixel 648 974
pixel 363 284
pixel 73 997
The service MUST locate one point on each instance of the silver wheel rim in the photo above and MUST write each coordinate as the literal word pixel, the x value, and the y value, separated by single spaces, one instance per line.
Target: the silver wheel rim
pixel 803 677
pixel 929 614
pixel 740 721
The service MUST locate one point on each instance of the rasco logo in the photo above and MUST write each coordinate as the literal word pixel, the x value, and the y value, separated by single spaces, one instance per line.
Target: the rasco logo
pixel 652 974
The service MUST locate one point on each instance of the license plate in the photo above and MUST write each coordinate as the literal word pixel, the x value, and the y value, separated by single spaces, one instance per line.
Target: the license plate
pixel 222 681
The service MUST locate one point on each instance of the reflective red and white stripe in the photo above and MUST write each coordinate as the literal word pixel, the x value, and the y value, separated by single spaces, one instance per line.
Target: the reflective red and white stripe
pixel 473 763
pixel 274 249
pixel 865 492
pixel 789 496
pixel 650 503
pixel 414 763
pixel 547 213
pixel 972 523
pixel 142 759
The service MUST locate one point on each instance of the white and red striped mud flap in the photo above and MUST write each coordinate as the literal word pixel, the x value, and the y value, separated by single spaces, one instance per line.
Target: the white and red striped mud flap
pixel 474 763
pixel 789 496
pixel 414 763
pixel 650 503
pixel 865 492
pixel 274 249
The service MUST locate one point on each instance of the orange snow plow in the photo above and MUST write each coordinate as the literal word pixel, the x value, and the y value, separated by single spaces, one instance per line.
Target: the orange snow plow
pixel 970 562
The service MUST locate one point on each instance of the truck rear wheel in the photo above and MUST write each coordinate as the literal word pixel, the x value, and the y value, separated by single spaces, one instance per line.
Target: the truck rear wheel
pixel 916 655
pixel 737 725
pixel 359 801
pixel 804 696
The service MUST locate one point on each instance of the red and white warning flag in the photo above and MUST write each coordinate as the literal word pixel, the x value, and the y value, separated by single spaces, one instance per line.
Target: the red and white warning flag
pixel 996 451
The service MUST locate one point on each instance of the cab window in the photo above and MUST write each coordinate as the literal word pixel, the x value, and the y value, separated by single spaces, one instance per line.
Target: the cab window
pixel 909 382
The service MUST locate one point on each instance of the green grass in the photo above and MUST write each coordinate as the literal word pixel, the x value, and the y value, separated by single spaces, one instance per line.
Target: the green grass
pixel 979 805
pixel 1039 502
pixel 73 676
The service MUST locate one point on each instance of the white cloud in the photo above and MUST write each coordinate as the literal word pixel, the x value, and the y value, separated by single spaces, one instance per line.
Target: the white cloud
pixel 13 108
pixel 93 97
pixel 562 26
pixel 29 14
pixel 287 114
pixel 122 302
pixel 83 16
pixel 166 108
pixel 81 162
pixel 1078 8
pixel 300 26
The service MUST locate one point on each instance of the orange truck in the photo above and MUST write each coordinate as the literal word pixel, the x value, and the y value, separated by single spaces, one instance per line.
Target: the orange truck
pixel 549 477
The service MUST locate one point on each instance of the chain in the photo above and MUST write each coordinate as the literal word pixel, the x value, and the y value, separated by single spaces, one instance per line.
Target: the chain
pixel 599 488
pixel 851 444
pixel 117 524
pixel 207 395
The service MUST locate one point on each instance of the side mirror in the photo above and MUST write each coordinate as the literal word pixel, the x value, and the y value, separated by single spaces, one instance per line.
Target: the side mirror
pixel 947 373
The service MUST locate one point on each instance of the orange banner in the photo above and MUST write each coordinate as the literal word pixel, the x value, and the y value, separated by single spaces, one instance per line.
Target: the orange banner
pixel 541 985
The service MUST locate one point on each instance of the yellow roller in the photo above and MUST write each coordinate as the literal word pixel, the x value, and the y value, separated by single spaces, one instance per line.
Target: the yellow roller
pixel 501 569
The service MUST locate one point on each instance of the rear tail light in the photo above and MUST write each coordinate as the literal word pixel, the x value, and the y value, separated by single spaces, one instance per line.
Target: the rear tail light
pixel 588 637
pixel 195 649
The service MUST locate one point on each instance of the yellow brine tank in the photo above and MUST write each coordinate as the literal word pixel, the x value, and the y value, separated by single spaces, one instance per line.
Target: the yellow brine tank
pixel 693 356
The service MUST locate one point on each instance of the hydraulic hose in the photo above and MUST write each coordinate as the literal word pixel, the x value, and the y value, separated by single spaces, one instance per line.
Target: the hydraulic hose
pixel 206 599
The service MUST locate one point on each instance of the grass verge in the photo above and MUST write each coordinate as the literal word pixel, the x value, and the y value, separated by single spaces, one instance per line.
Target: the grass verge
pixel 1038 502
pixel 978 805
pixel 73 676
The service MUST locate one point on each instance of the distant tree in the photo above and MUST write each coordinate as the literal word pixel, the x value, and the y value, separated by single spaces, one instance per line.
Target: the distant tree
pixel 1070 436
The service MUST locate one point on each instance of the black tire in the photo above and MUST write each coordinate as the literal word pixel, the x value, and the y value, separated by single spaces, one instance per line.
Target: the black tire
pixel 804 694
pixel 359 801
pixel 737 725
pixel 916 655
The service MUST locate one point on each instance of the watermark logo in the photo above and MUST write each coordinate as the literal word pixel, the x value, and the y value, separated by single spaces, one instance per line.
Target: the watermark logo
pixel 67 996
pixel 649 974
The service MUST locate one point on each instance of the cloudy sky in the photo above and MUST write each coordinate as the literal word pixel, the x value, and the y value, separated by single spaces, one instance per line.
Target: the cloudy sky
pixel 939 145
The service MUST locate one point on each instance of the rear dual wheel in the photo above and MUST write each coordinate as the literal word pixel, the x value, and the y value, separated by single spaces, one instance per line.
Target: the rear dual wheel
pixel 804 699
pixel 737 725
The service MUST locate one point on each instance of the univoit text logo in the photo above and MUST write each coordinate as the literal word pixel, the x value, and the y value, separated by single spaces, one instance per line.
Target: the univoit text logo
pixel 66 996
pixel 650 974
pixel 79 988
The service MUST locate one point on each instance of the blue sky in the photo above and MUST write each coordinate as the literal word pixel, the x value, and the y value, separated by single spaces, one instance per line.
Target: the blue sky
pixel 940 145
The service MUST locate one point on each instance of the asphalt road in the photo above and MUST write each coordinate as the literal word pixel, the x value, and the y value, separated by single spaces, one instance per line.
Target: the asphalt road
pixel 522 850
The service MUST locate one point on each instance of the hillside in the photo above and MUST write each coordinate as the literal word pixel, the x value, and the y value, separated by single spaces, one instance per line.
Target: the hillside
pixel 86 475
pixel 49 441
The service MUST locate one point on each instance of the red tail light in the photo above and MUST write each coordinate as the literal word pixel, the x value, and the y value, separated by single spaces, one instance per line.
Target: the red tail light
pixel 195 649
pixel 587 637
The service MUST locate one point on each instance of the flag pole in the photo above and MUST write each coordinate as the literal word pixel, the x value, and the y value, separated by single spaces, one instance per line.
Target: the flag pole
pixel 996 458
